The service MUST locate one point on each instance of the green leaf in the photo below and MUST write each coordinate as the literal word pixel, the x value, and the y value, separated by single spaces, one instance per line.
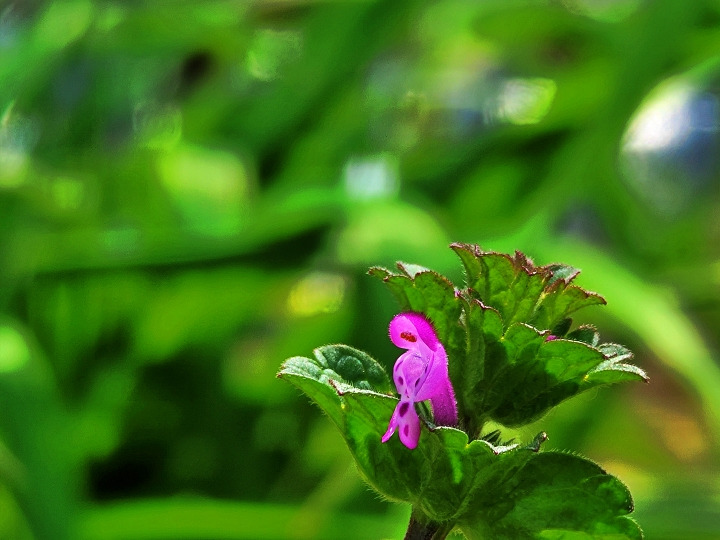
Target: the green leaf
pixel 525 375
pixel 411 270
pixel 561 328
pixel 470 365
pixel 561 271
pixel 354 367
pixel 334 367
pixel 559 301
pixel 343 365
pixel 510 285
pixel 585 333
pixel 614 368
pixel 519 290
pixel 487 491
pixel 550 495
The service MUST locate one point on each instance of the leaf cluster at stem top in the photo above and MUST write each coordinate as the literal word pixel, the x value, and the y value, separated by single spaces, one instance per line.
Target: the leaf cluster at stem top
pixel 508 334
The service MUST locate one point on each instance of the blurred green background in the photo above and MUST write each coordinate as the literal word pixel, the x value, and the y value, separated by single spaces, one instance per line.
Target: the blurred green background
pixel 191 192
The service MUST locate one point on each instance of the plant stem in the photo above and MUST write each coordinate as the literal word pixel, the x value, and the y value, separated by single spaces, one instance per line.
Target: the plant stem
pixel 419 529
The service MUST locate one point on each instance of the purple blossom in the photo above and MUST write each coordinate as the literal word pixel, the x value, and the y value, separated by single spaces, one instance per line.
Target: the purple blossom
pixel 421 373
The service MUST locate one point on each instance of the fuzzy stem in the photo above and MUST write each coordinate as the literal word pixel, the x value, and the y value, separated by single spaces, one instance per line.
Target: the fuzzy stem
pixel 419 529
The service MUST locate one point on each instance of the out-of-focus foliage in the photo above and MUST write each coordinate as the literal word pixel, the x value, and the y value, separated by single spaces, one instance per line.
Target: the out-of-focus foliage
pixel 191 192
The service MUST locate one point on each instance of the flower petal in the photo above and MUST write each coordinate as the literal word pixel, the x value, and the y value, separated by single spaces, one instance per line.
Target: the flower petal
pixel 409 329
pixel 444 406
pixel 392 426
pixel 436 375
pixel 410 369
pixel 406 420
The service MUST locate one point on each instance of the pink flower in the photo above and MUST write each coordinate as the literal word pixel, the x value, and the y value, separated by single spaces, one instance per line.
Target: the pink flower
pixel 421 373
